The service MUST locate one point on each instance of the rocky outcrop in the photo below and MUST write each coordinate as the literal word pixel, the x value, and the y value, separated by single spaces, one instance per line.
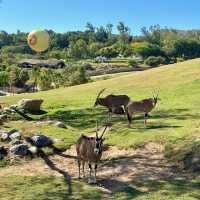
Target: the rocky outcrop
pixel 32 105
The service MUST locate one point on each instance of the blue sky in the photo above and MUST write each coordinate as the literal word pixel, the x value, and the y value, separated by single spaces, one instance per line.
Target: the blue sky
pixel 66 15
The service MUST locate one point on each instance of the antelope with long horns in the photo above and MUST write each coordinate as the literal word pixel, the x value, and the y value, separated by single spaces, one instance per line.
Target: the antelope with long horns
pixel 114 103
pixel 89 149
pixel 144 106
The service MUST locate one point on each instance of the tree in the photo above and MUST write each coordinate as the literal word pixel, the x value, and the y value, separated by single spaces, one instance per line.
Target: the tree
pixel 146 49
pixel 101 34
pixel 93 49
pixel 45 79
pixel 35 73
pixel 90 27
pixel 124 32
pixel 78 50
pixel 186 49
pixel 152 35
pixel 4 79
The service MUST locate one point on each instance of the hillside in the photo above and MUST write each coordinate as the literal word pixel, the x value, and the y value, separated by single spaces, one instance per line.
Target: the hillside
pixel 174 122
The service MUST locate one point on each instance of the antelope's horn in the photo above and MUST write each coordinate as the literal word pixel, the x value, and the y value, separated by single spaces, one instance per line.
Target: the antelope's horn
pixel 100 92
pixel 96 129
pixel 104 131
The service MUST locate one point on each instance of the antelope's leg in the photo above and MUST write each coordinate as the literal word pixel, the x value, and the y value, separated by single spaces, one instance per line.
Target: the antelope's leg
pixel 83 168
pixel 109 113
pixel 90 166
pixel 145 119
pixel 129 116
pixel 79 168
pixel 95 171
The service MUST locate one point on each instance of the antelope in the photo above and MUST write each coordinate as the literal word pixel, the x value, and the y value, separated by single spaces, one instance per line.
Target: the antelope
pixel 144 106
pixel 89 149
pixel 114 103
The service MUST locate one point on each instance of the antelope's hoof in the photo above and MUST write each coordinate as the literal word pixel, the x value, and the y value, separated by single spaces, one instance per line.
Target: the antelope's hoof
pixel 92 180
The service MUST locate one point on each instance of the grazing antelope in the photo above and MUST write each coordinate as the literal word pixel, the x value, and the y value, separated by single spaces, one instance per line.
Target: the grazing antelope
pixel 114 103
pixel 89 149
pixel 145 106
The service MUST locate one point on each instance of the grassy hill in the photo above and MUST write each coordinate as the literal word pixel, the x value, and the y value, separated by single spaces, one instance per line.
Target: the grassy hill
pixel 174 122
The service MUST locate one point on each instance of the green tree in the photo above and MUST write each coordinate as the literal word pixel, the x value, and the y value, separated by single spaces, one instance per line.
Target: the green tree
pixel 146 49
pixel 124 33
pixel 45 79
pixel 78 49
pixel 35 73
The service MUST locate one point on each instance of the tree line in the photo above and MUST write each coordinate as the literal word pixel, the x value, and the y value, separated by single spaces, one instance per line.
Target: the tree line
pixel 155 46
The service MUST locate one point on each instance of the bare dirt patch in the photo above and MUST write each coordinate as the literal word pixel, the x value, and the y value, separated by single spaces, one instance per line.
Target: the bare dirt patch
pixel 118 167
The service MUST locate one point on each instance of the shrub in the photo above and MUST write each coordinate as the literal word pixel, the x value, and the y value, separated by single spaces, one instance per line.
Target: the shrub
pixel 45 79
pixel 154 61
pixel 132 63
pixel 180 60
pixel 146 49
pixel 75 75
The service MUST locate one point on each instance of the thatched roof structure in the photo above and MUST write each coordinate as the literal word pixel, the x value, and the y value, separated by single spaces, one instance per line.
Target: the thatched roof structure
pixel 53 63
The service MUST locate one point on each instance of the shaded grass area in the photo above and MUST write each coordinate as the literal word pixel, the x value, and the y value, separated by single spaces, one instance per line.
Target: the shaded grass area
pixel 49 187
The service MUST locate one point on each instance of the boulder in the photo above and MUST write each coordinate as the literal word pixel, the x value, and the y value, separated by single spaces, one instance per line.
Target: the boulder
pixel 40 141
pixel 14 134
pixel 60 124
pixel 33 105
pixel 3 117
pixel 3 152
pixel 4 135
pixel 19 149
pixel 33 150
pixel 16 142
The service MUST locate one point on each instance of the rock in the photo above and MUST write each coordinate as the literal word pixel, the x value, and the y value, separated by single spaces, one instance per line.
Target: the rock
pixel 14 134
pixel 60 124
pixel 33 150
pixel 7 110
pixel 16 142
pixel 19 150
pixel 3 117
pixel 33 105
pixel 40 141
pixel 3 152
pixel 4 136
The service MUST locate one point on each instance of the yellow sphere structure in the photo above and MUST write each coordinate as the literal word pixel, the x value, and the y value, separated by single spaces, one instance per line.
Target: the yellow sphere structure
pixel 38 40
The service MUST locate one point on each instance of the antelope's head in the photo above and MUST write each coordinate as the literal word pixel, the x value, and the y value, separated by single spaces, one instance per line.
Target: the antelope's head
pixel 97 101
pixel 99 141
pixel 156 98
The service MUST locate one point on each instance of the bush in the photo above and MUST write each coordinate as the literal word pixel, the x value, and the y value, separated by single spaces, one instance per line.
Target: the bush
pixel 75 75
pixel 45 79
pixel 154 61
pixel 180 60
pixel 132 63
pixel 146 49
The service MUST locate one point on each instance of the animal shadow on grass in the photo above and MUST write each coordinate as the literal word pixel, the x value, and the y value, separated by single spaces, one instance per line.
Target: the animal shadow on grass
pixel 179 114
pixel 118 186
pixel 52 166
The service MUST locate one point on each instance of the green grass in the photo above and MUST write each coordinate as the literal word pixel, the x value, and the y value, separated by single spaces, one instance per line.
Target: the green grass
pixel 176 116
pixel 55 188
pixel 174 122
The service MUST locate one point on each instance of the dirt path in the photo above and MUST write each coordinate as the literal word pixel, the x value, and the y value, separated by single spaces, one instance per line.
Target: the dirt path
pixel 118 167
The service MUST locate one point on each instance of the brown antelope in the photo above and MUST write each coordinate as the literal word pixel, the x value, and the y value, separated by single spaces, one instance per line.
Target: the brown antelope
pixel 114 103
pixel 144 106
pixel 89 149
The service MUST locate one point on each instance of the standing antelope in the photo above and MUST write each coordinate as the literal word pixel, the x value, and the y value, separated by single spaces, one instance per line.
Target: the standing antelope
pixel 89 149
pixel 145 106
pixel 114 103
